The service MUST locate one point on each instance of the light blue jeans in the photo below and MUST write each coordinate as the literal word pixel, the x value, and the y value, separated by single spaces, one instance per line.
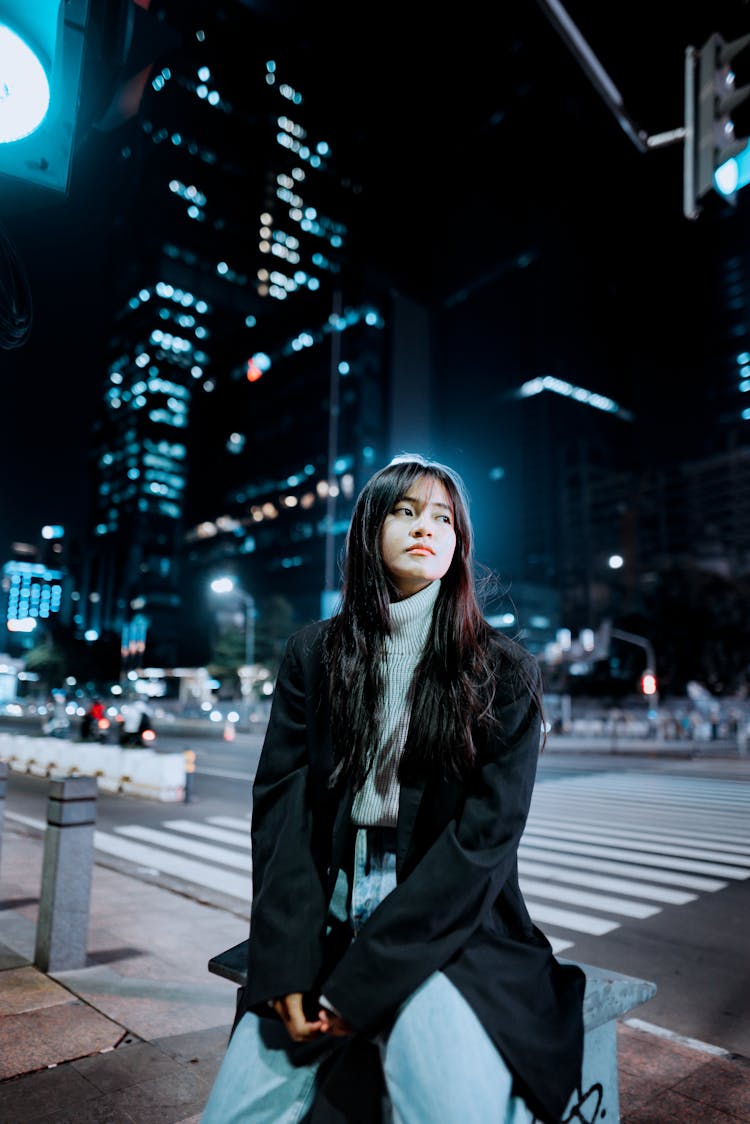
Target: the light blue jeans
pixel 438 1062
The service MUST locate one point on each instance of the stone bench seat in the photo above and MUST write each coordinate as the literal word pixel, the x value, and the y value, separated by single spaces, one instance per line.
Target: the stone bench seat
pixel 608 997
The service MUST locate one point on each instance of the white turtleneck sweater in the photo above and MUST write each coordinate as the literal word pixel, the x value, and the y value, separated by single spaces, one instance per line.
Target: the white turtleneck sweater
pixel 376 803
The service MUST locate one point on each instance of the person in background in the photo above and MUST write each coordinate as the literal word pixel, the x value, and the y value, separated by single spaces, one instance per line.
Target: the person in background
pixel 91 719
pixel 394 972
pixel 136 717
pixel 58 722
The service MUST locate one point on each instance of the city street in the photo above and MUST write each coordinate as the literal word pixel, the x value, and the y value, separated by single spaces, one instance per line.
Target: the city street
pixel 640 864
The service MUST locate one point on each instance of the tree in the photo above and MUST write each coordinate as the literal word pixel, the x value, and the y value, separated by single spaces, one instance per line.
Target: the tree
pixel 274 625
pixel 47 660
pixel 227 654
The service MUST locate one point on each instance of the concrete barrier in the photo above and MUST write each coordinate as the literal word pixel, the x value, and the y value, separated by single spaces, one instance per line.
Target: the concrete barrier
pixel 136 772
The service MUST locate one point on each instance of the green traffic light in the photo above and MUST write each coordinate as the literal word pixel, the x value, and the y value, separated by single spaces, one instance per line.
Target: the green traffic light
pixel 25 87
pixel 734 173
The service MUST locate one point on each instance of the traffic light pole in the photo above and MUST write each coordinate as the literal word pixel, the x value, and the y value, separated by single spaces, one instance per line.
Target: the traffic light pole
pixel 690 207
pixel 698 155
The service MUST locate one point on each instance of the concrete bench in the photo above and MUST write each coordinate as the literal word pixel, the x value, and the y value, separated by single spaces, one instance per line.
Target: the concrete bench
pixel 608 997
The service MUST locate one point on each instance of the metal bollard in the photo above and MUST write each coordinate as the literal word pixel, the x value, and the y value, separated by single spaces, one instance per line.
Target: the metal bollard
pixel 189 756
pixel 62 927
pixel 3 787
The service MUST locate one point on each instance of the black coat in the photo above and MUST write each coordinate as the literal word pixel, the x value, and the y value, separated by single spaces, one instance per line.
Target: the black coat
pixel 457 906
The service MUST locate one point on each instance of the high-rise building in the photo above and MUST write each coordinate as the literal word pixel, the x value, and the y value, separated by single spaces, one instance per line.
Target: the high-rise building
pixel 36 589
pixel 230 259
pixel 564 444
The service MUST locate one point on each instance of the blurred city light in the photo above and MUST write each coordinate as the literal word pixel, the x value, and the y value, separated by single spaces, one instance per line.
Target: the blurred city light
pixel 616 562
pixel 222 585
pixel 577 393
pixel 25 86
pixel 22 624
pixel 257 365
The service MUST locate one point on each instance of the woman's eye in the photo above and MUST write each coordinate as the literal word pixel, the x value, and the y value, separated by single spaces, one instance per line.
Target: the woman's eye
pixel 402 510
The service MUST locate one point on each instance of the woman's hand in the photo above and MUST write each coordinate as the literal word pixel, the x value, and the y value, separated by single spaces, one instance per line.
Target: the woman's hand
pixel 290 1011
pixel 333 1024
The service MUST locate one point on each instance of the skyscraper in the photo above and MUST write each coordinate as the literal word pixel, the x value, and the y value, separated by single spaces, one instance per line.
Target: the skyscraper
pixel 244 381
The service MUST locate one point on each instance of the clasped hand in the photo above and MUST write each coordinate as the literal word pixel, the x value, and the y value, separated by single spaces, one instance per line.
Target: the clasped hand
pixel 290 1010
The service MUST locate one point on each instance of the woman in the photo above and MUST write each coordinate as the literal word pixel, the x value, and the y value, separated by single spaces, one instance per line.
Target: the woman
pixel 390 948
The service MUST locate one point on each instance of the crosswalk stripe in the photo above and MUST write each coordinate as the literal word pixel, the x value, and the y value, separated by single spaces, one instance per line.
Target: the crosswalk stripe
pixel 186 846
pixel 231 822
pixel 192 827
pixel 558 944
pixel 569 919
pixel 532 887
pixel 638 845
pixel 651 874
pixel 644 858
pixel 590 811
pixel 602 882
pixel 603 819
pixel 201 874
pixel 659 805
pixel 572 896
pixel 654 836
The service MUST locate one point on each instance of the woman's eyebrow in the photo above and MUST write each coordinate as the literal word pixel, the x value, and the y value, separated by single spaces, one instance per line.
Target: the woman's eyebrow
pixel 433 503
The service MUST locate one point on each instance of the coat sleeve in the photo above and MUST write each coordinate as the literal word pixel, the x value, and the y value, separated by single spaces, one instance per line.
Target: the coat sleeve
pixel 430 916
pixel 287 921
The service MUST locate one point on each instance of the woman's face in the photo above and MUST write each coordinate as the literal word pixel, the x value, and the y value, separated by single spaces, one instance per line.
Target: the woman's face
pixel 418 537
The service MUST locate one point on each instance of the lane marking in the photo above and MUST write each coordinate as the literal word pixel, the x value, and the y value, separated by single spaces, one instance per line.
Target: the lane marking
pixel 232 776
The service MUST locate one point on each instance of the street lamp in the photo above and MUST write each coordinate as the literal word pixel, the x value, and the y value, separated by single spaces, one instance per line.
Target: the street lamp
pixel 227 585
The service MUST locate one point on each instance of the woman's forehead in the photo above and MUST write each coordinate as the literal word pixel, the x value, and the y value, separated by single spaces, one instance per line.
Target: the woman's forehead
pixel 428 489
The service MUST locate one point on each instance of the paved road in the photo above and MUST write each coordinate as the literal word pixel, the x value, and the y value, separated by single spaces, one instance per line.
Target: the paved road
pixel 639 865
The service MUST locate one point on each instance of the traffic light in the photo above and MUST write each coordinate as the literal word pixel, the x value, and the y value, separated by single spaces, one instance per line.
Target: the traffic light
pixel 41 60
pixel 722 158
pixel 648 683
pixel 67 66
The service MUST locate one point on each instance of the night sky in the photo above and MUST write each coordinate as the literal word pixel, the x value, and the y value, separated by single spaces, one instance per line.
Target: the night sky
pixel 520 156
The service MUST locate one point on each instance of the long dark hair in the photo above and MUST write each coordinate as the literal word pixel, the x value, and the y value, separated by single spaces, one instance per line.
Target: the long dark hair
pixel 454 684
